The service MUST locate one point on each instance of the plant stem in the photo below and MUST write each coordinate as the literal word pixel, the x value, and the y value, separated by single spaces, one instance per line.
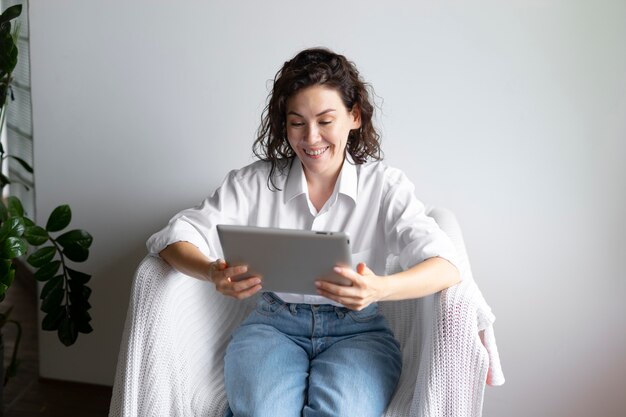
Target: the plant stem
pixel 66 279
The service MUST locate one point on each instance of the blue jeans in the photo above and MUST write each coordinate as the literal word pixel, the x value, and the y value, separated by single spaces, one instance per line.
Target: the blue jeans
pixel 311 360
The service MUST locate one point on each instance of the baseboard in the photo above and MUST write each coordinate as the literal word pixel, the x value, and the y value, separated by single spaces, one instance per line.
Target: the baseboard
pixel 75 385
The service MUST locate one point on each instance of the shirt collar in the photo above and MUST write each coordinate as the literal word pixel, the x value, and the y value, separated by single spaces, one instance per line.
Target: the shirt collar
pixel 296 182
pixel 347 180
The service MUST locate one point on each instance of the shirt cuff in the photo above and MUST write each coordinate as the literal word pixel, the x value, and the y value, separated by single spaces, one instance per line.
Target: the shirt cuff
pixel 440 247
pixel 177 231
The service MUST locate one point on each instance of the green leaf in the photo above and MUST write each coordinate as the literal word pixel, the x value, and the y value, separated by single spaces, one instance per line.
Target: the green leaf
pixel 4 213
pixel 68 332
pixel 78 302
pixel 11 13
pixel 76 253
pixel 82 319
pixel 3 290
pixel 5 266
pixel 18 227
pixel 15 207
pixel 80 289
pixel 79 297
pixel 12 247
pixel 59 218
pixel 85 328
pixel 75 237
pixel 7 276
pixel 52 320
pixel 54 283
pixel 47 271
pixel 12 58
pixel 14 226
pixel 53 300
pixel 35 235
pixel 78 277
pixel 79 314
pixel 42 256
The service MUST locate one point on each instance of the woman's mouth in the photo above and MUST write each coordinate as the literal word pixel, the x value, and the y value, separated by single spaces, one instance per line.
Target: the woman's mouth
pixel 315 152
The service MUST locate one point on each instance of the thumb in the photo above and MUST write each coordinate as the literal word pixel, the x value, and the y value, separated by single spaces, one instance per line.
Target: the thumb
pixel 221 264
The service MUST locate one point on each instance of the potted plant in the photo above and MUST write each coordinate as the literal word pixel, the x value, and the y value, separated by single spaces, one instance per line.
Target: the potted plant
pixel 64 294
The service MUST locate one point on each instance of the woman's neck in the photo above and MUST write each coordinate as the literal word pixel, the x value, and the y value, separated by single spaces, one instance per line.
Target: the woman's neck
pixel 321 188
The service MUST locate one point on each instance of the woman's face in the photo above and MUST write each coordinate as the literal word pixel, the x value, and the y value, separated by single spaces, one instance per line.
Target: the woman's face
pixel 318 124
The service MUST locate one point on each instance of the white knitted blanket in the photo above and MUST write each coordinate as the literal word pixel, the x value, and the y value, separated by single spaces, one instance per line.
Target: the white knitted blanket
pixel 177 328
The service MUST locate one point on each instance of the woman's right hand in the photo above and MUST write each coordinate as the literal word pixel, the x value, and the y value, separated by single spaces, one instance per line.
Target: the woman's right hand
pixel 223 277
pixel 189 260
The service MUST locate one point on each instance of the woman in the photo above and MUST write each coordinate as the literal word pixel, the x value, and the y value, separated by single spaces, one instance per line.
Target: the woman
pixel 330 354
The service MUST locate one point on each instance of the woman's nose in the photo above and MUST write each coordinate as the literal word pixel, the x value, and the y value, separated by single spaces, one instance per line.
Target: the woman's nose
pixel 311 134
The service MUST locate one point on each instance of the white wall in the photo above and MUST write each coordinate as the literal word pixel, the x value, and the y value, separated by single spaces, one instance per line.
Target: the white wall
pixel 513 114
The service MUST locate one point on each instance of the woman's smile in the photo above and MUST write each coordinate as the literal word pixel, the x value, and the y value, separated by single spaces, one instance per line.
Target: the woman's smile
pixel 318 125
pixel 316 153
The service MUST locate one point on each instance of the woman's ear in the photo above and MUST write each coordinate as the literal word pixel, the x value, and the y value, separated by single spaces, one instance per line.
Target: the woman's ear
pixel 356 117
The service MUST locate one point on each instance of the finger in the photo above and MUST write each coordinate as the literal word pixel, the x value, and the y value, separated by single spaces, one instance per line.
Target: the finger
pixel 233 271
pixel 234 289
pixel 215 269
pixel 363 269
pixel 220 264
pixel 247 293
pixel 353 289
pixel 333 288
pixel 337 290
pixel 349 302
pixel 349 273
pixel 243 285
pixel 221 274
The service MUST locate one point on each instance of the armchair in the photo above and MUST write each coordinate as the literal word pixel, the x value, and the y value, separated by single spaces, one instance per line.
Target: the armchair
pixel 177 328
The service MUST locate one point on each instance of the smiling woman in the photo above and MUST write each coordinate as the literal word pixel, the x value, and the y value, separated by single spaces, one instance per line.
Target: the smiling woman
pixel 312 78
pixel 318 124
pixel 330 353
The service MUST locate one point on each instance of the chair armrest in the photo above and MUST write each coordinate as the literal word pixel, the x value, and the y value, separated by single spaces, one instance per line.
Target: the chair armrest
pixel 469 290
pixel 171 354
pixel 445 362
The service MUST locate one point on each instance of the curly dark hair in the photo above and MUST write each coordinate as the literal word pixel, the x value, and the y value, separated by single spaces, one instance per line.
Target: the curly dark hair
pixel 315 66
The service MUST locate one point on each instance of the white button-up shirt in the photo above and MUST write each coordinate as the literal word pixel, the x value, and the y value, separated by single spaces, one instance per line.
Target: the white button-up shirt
pixel 373 203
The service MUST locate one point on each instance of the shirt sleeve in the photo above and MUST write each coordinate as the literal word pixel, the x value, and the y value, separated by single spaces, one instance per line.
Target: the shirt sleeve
pixel 227 205
pixel 409 232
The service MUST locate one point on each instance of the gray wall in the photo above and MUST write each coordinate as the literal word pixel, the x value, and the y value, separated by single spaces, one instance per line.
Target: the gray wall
pixel 513 114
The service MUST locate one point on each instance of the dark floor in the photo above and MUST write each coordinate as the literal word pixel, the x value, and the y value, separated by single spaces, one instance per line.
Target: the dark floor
pixel 26 395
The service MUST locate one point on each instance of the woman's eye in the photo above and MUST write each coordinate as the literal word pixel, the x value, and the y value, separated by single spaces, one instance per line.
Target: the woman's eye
pixel 326 122
pixel 296 124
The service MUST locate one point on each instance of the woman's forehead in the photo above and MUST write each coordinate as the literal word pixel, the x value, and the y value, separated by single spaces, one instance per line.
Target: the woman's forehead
pixel 316 98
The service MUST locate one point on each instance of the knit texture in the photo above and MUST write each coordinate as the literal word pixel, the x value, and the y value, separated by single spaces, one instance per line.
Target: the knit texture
pixel 177 328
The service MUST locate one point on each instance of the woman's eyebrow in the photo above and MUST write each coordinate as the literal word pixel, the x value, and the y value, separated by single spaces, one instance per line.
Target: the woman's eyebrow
pixel 317 115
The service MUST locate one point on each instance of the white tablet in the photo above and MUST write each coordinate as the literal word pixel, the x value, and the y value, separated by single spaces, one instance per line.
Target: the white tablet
pixel 287 260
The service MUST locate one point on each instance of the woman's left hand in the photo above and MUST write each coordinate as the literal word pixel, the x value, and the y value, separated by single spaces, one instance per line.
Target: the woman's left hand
pixel 366 288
